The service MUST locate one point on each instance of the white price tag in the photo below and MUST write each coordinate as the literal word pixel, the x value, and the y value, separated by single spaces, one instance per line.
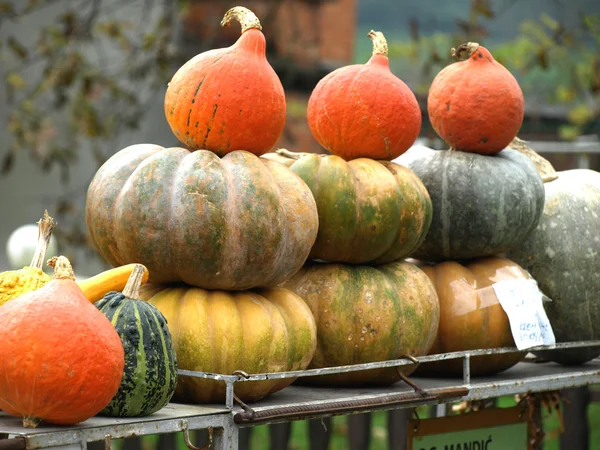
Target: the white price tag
pixel 522 301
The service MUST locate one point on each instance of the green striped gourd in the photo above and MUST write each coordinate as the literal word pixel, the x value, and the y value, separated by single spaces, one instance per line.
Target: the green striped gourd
pixel 150 372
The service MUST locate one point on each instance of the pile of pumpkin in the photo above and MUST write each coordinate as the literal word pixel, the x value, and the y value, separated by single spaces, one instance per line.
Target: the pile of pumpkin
pixel 265 262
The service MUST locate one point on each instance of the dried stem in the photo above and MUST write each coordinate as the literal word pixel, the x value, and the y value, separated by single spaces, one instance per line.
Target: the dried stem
pixel 244 16
pixel 380 46
pixel 469 48
pixel 31 422
pixel 45 226
pixel 292 155
pixel 132 288
pixel 543 166
pixel 62 268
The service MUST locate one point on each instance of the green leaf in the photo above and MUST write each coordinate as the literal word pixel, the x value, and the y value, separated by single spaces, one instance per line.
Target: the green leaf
pixel 7 8
pixel 17 48
pixel 565 94
pixel 568 132
pixel 580 114
pixel 549 22
pixel 15 80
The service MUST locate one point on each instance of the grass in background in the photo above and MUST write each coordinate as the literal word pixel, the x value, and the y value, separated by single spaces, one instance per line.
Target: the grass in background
pixel 299 439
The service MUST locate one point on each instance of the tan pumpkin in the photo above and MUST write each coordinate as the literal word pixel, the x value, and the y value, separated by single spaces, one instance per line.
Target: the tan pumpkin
pixel 267 330
pixel 471 316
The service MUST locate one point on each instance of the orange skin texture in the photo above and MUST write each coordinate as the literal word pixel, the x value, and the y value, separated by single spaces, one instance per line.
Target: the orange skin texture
pixel 471 316
pixel 62 360
pixel 364 110
pixel 476 105
pixel 228 99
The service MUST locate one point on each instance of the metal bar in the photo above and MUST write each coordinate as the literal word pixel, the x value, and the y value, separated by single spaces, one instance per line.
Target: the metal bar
pixel 467 370
pixel 382 364
pixel 500 388
pixel 69 436
pixel 336 407
pixel 229 394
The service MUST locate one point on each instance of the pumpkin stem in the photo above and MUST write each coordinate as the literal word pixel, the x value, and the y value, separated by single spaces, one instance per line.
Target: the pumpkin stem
pixel 244 16
pixel 469 48
pixel 132 288
pixel 45 226
pixel 292 155
pixel 380 46
pixel 543 166
pixel 31 422
pixel 62 268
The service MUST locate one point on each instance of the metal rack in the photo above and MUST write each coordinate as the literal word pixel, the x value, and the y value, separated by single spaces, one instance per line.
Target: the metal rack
pixel 304 402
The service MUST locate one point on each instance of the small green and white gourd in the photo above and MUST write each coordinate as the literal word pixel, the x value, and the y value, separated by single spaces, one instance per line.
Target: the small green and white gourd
pixel 150 372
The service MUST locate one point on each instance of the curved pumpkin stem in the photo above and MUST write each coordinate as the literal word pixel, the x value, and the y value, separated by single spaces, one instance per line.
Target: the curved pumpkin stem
pixel 45 226
pixel 293 155
pixel 244 16
pixel 544 167
pixel 132 288
pixel 62 268
pixel 380 46
pixel 469 48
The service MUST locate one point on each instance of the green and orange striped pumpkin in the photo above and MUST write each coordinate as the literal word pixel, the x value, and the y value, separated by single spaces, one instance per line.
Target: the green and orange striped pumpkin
pixel 230 223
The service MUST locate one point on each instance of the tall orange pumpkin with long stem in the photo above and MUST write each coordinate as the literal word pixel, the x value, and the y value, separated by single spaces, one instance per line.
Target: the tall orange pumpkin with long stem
pixel 230 98
pixel 364 110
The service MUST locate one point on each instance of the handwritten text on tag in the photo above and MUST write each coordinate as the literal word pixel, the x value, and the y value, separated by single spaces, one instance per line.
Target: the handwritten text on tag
pixel 522 301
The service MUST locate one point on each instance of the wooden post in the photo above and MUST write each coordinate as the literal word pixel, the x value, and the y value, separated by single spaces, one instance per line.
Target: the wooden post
pixel 359 431
pixel 319 431
pixel 397 428
pixel 577 430
pixel 280 435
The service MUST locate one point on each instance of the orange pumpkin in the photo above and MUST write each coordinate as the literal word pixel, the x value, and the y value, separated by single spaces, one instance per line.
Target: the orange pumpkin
pixel 476 105
pixel 471 316
pixel 364 110
pixel 229 98
pixel 62 360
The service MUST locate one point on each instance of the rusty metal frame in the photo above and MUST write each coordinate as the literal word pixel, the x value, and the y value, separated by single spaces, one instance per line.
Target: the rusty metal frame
pixel 301 402
pixel 231 380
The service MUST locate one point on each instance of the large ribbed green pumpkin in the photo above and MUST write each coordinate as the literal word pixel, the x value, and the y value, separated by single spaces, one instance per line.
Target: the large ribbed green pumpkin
pixel 229 223
pixel 369 211
pixel 150 374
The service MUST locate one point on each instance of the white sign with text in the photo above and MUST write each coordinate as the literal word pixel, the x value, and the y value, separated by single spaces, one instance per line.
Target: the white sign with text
pixel 521 299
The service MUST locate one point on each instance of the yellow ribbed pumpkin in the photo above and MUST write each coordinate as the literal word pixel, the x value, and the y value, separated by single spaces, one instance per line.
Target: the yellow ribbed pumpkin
pixel 266 330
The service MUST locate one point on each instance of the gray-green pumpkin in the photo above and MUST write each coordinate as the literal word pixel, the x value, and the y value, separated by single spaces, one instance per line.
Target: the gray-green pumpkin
pixel 369 211
pixel 482 205
pixel 563 255
pixel 150 373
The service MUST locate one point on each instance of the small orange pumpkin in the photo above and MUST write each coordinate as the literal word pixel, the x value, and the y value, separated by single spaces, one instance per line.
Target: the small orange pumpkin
pixel 228 98
pixel 476 105
pixel 62 360
pixel 364 110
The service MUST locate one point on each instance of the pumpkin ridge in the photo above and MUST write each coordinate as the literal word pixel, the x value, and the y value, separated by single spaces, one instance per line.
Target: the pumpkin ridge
pixel 400 204
pixel 283 248
pixel 446 209
pixel 292 351
pixel 142 361
pixel 169 380
pixel 171 258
